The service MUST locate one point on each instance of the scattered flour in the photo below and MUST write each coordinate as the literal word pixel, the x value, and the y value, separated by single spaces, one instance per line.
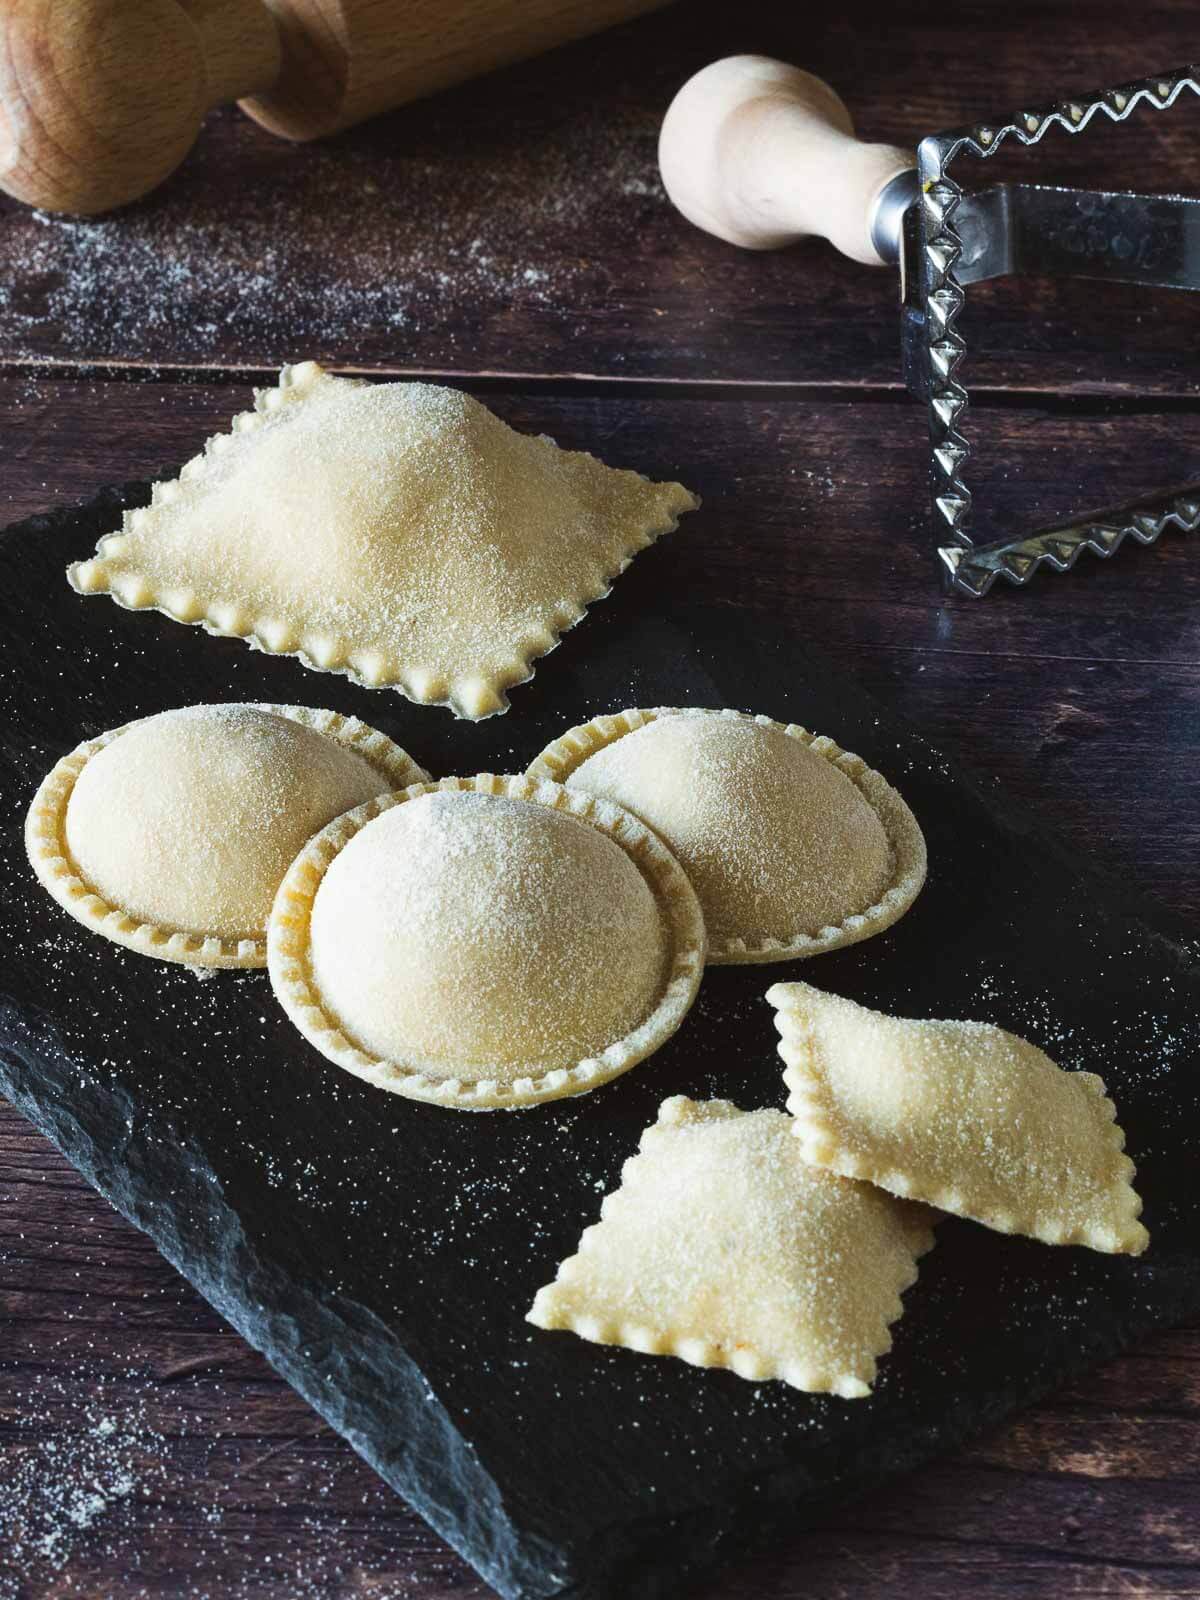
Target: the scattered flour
pixel 91 1487
pixel 348 246
pixel 68 1479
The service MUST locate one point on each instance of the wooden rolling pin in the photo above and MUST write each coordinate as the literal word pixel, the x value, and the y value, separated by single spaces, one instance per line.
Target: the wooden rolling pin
pixel 101 99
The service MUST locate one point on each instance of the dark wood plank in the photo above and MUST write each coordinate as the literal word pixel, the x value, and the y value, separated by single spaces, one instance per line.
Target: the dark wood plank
pixel 517 225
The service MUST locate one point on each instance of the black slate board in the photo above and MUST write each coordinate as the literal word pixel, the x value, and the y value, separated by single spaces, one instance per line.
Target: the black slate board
pixel 382 1253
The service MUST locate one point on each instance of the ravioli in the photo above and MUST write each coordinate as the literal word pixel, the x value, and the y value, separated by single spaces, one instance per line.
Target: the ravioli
pixel 486 942
pixel 962 1115
pixel 399 533
pixel 722 1246
pixel 794 846
pixel 172 834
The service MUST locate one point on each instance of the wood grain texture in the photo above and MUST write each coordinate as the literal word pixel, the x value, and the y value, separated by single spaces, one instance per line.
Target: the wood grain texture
pixel 519 226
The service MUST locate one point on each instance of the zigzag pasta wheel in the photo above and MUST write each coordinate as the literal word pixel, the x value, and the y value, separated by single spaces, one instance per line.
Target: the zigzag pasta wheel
pixel 172 834
pixel 722 1246
pixel 795 846
pixel 962 1115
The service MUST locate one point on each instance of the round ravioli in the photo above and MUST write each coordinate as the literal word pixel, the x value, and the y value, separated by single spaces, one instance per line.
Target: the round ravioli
pixel 793 845
pixel 486 942
pixel 172 834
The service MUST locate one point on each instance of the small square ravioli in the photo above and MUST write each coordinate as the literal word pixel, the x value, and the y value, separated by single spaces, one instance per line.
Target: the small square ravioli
pixel 961 1115
pixel 722 1246
pixel 399 533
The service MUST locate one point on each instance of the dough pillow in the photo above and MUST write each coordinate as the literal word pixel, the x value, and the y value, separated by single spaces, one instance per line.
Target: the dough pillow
pixel 172 834
pixel 486 942
pixel 400 533
pixel 962 1115
pixel 794 846
pixel 724 1247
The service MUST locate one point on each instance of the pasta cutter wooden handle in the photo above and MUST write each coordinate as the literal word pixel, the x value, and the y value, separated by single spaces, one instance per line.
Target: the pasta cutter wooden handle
pixel 763 154
pixel 101 99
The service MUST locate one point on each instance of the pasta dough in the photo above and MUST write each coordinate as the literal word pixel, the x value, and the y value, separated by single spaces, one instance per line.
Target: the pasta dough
pixel 400 533
pixel 963 1115
pixel 486 942
pixel 172 834
pixel 794 846
pixel 722 1246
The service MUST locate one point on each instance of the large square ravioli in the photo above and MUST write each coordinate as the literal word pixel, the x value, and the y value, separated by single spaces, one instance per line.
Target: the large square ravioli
pixel 399 533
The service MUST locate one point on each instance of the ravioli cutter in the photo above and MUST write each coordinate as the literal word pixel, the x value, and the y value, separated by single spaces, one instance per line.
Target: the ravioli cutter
pixel 762 154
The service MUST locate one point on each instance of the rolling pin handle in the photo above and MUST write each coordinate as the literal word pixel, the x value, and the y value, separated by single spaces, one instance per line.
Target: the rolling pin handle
pixel 763 154
pixel 101 99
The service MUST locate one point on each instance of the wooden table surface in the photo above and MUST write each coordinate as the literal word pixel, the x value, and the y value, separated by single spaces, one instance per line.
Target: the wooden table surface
pixel 513 235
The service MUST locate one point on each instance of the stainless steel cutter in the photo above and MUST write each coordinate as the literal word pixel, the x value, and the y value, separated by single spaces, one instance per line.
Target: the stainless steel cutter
pixel 762 154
